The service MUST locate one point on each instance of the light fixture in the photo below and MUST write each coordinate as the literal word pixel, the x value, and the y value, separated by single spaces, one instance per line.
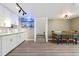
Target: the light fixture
pixel 21 9
pixel 66 15
pixel 23 13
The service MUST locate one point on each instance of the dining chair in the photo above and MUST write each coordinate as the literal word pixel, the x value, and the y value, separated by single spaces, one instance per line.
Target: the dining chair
pixel 71 37
pixel 76 37
pixel 58 37
pixel 53 36
pixel 64 37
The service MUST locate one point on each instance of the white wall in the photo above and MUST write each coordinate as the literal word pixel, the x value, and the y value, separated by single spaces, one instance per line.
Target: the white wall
pixel 30 33
pixel 63 25
pixel 40 25
pixel 75 24
pixel 8 15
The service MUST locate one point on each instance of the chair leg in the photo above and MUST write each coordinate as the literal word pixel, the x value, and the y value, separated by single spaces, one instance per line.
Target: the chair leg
pixel 75 41
pixel 58 41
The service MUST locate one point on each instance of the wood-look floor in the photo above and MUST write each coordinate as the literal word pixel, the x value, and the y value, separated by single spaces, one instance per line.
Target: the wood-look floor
pixel 29 48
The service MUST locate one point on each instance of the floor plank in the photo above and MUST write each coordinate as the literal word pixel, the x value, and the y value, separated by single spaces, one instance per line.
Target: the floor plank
pixel 29 48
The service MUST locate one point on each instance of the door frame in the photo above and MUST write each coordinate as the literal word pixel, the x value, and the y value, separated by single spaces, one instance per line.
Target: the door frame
pixel 46 29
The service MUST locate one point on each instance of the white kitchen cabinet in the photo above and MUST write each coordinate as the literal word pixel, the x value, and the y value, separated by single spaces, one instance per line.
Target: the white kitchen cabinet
pixel 23 36
pixel 18 39
pixel 4 45
pixel 15 43
pixel 9 42
pixel 12 41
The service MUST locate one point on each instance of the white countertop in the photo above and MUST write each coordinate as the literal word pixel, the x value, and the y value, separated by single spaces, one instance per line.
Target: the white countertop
pixel 4 34
pixel 10 32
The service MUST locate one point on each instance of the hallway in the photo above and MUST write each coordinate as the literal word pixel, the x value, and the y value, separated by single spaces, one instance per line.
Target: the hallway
pixel 45 49
pixel 40 38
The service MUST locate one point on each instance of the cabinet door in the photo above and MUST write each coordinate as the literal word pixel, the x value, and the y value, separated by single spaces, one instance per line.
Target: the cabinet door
pixel 24 36
pixel 17 39
pixel 13 41
pixel 4 46
pixel 20 38
pixel 10 42
pixel 5 42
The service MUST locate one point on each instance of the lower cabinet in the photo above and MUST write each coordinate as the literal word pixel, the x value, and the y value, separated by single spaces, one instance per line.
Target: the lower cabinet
pixel 23 36
pixel 6 44
pixel 9 42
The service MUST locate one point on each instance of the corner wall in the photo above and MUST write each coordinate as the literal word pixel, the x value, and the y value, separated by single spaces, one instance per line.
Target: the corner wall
pixel 75 24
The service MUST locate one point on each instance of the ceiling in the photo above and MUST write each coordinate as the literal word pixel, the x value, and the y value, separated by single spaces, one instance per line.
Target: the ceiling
pixel 50 10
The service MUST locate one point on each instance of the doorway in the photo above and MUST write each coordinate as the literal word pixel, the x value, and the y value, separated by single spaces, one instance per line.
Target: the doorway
pixel 41 29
